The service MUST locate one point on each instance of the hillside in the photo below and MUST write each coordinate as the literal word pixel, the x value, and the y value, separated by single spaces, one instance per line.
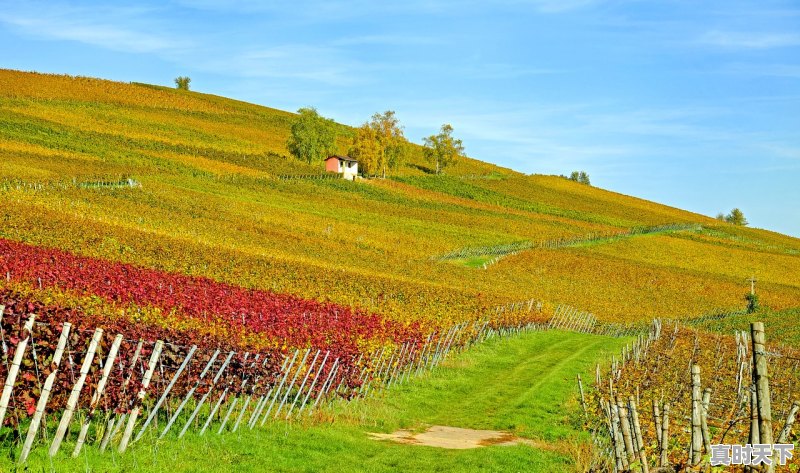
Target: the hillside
pixel 211 203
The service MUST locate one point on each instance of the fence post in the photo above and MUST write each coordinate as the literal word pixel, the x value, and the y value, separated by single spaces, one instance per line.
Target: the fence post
pixel 637 430
pixel 208 393
pixel 697 433
pixel 664 461
pixel 101 387
pixel 163 397
pixel 186 398
pixel 151 366
pixel 13 370
pixel 48 386
pixel 787 428
pixel 76 392
pixel 761 381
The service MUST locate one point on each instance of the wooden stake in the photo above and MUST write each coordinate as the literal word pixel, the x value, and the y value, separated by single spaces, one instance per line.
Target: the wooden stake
pixel 45 395
pixel 205 396
pixel 66 418
pixel 761 381
pixel 163 397
pixel 637 430
pixel 190 394
pixel 697 433
pixel 280 387
pixel 13 370
pixel 98 394
pixel 657 421
pixel 704 420
pixel 626 432
pixel 583 399
pixel 134 415
pixel 664 461
pixel 787 428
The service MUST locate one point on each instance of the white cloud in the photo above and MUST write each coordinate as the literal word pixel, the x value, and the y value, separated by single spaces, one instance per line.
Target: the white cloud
pixel 321 64
pixel 118 29
pixel 749 40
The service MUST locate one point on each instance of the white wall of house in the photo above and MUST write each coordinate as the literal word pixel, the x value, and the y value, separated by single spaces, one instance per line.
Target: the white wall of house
pixel 349 169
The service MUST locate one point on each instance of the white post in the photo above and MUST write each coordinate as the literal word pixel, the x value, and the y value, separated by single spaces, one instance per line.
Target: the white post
pixel 13 370
pixel 43 398
pixel 66 418
pixel 151 366
pixel 98 393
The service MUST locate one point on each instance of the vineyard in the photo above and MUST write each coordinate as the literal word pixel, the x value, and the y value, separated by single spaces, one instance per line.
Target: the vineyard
pixel 676 391
pixel 167 269
pixel 112 375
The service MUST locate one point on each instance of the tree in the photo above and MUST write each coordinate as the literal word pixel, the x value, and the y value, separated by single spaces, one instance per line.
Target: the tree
pixel 720 216
pixel 752 302
pixel 393 144
pixel 312 137
pixel 581 177
pixel 366 149
pixel 736 217
pixel 182 83
pixel 443 149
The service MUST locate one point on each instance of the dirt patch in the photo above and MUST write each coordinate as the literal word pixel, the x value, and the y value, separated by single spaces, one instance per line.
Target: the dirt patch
pixel 453 437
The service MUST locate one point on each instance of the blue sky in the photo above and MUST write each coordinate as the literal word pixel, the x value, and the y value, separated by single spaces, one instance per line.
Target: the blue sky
pixel 695 104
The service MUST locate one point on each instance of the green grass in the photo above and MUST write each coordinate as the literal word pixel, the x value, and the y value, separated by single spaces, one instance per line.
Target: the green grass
pixel 525 385
pixel 473 261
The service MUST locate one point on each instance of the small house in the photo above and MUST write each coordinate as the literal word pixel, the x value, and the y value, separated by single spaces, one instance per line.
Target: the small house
pixel 344 165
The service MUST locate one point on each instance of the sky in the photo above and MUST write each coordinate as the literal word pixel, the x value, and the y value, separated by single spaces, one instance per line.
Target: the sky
pixel 694 104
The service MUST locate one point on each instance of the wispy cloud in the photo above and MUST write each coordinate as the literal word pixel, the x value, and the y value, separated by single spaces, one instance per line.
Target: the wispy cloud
pixel 319 64
pixel 116 28
pixel 386 39
pixel 558 6
pixel 763 70
pixel 749 40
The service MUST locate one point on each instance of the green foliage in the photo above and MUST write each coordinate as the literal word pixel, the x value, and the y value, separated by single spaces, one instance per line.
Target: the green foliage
pixel 736 217
pixel 182 82
pixel 580 177
pixel 367 150
pixel 379 144
pixel 443 149
pixel 389 133
pixel 312 137
pixel 752 302
pixel 515 384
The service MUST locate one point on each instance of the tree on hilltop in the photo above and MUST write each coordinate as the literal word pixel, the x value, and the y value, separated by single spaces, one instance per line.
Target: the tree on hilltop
pixel 580 177
pixel 736 217
pixel 443 149
pixel 182 83
pixel 312 137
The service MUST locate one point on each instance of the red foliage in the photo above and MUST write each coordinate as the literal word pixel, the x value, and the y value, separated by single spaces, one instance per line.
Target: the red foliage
pixel 281 317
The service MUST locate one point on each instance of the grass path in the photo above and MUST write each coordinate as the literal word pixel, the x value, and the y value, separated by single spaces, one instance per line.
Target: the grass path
pixel 525 385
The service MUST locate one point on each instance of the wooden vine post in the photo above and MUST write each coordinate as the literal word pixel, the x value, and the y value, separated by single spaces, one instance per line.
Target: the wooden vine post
pixel 72 402
pixel 664 461
pixel 761 382
pixel 45 395
pixel 787 428
pixel 697 432
pixel 13 370
pixel 637 431
pixel 148 375
pixel 98 394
